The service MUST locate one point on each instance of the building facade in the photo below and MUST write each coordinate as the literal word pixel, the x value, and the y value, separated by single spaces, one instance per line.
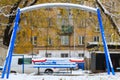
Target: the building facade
pixel 66 32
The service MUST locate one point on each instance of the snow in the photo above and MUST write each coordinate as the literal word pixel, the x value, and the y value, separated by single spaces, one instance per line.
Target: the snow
pixel 76 75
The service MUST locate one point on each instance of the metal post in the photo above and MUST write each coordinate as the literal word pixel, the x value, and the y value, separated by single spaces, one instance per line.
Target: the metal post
pixel 32 39
pixel 23 64
pixel 107 55
pixel 7 64
pixel 38 71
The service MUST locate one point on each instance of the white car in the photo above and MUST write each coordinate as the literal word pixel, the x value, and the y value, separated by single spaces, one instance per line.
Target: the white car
pixel 27 64
pixel 24 64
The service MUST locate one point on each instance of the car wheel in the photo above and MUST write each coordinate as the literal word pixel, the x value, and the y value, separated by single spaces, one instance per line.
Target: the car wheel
pixel 13 72
pixel 48 71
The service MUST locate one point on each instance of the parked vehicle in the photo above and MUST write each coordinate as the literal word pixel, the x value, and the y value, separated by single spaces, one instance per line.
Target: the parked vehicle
pixel 24 64
pixel 71 63
pixel 1 68
pixel 27 64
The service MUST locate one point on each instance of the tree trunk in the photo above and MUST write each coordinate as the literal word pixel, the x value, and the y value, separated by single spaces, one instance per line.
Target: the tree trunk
pixel 8 30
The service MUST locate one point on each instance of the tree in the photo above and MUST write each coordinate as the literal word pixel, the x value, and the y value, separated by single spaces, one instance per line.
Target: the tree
pixel 110 15
pixel 11 17
pixel 41 19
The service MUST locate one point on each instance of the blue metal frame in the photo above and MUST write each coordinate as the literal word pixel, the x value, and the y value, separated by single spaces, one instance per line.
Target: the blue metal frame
pixel 7 64
pixel 107 55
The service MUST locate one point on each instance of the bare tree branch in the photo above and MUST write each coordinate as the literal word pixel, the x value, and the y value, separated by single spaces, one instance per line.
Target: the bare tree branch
pixel 33 2
pixel 7 15
pixel 25 3
pixel 110 16
pixel 4 24
pixel 4 12
pixel 8 30
pixel 4 7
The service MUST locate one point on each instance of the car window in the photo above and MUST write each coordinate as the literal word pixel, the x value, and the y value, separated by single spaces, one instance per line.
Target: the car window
pixel 26 61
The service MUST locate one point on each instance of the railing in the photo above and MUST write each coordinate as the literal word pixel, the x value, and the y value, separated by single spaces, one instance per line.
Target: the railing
pixel 66 29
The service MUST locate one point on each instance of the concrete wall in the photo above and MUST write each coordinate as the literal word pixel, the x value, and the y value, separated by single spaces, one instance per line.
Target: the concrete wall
pixel 87 63
pixel 3 53
pixel 57 53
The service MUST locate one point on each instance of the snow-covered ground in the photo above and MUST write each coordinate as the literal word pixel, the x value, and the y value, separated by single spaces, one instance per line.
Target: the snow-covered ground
pixel 77 75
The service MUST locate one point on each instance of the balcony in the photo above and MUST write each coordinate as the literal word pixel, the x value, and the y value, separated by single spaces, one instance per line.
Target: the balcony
pixel 66 30
pixel 111 45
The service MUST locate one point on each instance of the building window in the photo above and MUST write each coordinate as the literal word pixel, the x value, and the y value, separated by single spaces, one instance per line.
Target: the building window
pixel 34 40
pixel 112 36
pixel 90 14
pixel 60 11
pixel 82 23
pixel 70 19
pixel 63 55
pixel 49 41
pixel 48 55
pixel 108 38
pixel 26 61
pixel 64 21
pixel 97 29
pixel 80 2
pixel 81 55
pixel 81 40
pixel 50 23
pixel 64 40
pixel 96 39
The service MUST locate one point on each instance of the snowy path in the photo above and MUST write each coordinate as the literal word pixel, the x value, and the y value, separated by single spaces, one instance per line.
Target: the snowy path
pixel 82 76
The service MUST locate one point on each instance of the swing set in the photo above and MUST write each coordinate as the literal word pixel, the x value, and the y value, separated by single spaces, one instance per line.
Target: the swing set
pixel 7 64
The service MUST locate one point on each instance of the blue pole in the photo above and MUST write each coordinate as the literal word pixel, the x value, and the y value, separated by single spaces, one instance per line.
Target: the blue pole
pixel 4 68
pixel 13 40
pixel 107 55
pixel 7 65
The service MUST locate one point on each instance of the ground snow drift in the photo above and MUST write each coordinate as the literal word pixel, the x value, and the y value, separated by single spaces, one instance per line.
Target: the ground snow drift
pixel 77 75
